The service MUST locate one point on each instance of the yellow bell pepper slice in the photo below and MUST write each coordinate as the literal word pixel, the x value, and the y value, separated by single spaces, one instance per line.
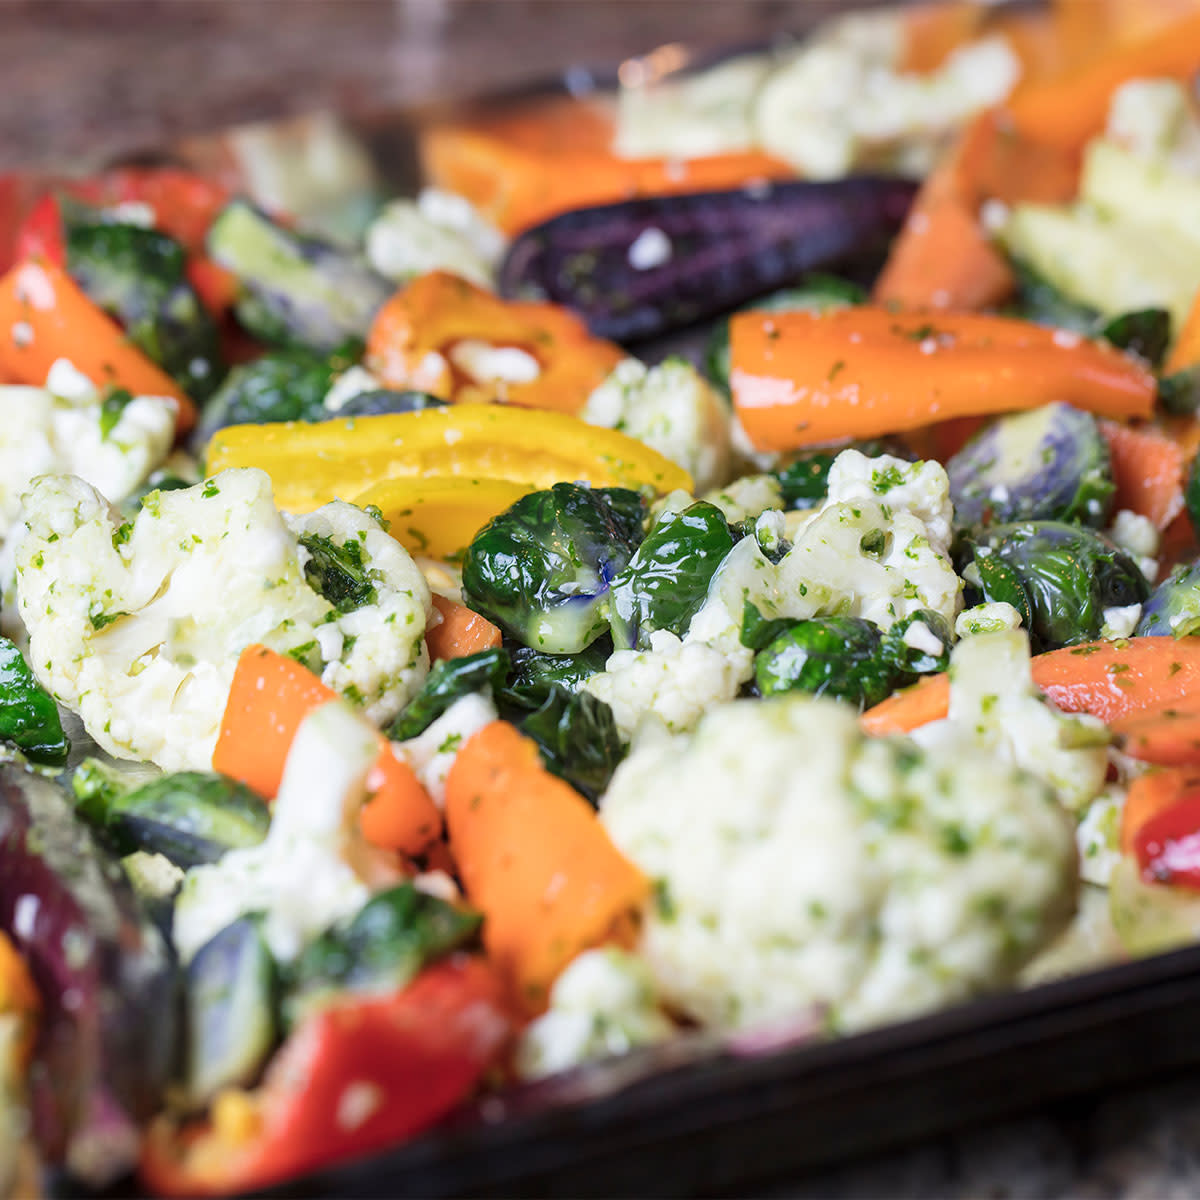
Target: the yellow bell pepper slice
pixel 438 517
pixel 312 464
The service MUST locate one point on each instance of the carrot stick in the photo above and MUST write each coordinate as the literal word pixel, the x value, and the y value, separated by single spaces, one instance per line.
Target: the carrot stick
pixel 1110 680
pixel 271 694
pixel 1186 350
pixel 1149 795
pixel 1149 468
pixel 534 859
pixel 1169 735
pixel 1068 109
pixel 800 378
pixel 461 631
pixel 44 316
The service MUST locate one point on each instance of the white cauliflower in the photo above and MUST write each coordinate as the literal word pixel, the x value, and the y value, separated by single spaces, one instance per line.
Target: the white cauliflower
pixel 438 231
pixel 994 617
pixel 747 498
pixel 672 409
pixel 69 428
pixel 138 626
pixel 801 866
pixel 314 867
pixel 1138 536
pixel 1098 836
pixel 431 754
pixel 995 707
pixel 1154 119
pixel 603 1004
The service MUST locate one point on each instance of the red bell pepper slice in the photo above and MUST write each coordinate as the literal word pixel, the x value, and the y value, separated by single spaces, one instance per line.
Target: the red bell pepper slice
pixel 1168 844
pixel 363 1074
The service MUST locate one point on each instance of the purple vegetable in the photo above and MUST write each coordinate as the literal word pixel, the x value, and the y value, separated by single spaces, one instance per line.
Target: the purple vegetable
pixel 644 267
pixel 105 975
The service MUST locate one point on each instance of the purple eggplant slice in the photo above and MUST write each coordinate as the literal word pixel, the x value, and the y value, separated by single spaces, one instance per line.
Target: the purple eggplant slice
pixel 648 266
pixel 106 977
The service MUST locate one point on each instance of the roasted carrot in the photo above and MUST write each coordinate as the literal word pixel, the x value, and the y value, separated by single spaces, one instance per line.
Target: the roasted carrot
pixel 44 316
pixel 271 694
pixel 1149 468
pixel 460 632
pixel 1185 351
pixel 1114 681
pixel 1065 111
pixel 1167 735
pixel 534 859
pixel 800 378
pixel 933 31
pixel 1150 794
pixel 19 999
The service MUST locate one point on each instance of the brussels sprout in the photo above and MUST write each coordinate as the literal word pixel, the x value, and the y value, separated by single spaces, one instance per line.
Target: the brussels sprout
pixel 297 291
pixel 575 731
pixel 1050 463
pixel 667 578
pixel 1068 576
pixel 805 480
pixel 911 650
pixel 1179 393
pixel 531 666
pixel 448 681
pixel 1145 332
pixel 841 657
pixel 1191 494
pixel 816 293
pixel 1174 606
pixel 541 569
pixel 138 276
pixel 29 717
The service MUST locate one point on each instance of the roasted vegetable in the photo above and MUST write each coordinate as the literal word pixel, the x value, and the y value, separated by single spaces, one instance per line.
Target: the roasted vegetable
pixel 139 277
pixel 816 293
pixel 103 972
pixel 530 666
pixel 647 266
pixel 380 949
pixel 296 290
pixel 666 580
pixel 1179 393
pixel 1050 463
pixel 575 731
pixel 1173 608
pixel 29 717
pixel 542 569
pixel 1145 332
pixel 448 681
pixel 1060 577
pixel 231 1002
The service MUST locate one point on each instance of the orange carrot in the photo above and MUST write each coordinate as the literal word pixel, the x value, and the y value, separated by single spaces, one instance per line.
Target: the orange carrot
pixel 800 378
pixel 460 633
pixel 19 999
pixel 44 316
pixel 1167 735
pixel 270 696
pixel 933 31
pixel 1067 110
pixel 1111 680
pixel 1149 468
pixel 1185 352
pixel 534 859
pixel 1150 794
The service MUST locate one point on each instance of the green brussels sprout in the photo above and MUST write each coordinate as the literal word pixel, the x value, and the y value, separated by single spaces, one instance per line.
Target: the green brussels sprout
pixel 138 276
pixel 910 651
pixel 1145 332
pixel 448 681
pixel 1174 606
pixel 1179 392
pixel 1051 463
pixel 29 717
pixel 666 580
pixel 530 666
pixel 1060 577
pixel 541 570
pixel 840 657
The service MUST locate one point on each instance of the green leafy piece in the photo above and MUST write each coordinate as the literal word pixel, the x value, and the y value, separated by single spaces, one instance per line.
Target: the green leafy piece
pixel 116 401
pixel 296 290
pixel 666 581
pixel 1191 494
pixel 805 480
pixel 1069 576
pixel 530 666
pixel 138 276
pixel 380 949
pixel 575 731
pixel 840 657
pixel 1145 332
pixel 1179 393
pixel 541 570
pixel 758 631
pixel 338 572
pixel 448 681
pixel 29 717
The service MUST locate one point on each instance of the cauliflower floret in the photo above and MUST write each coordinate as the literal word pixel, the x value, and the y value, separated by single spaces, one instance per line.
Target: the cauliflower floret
pixel 747 498
pixel 68 428
pixel 1138 536
pixel 314 867
pixel 602 1005
pixel 921 489
pixel 439 231
pixel 995 617
pixel 800 866
pixel 138 626
pixel 672 409
pixel 431 754
pixel 995 706
pixel 1154 119
pixel 1098 836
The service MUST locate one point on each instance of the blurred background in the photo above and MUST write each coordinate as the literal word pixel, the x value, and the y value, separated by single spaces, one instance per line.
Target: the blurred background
pixel 99 78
